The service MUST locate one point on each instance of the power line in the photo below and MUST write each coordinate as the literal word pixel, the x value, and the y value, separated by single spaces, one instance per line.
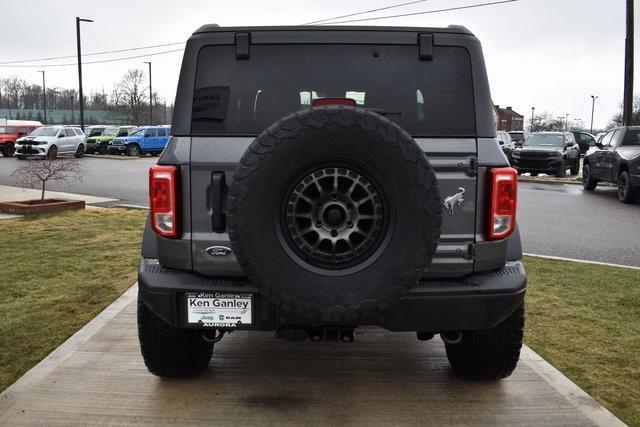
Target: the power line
pixel 94 62
pixel 422 13
pixel 91 54
pixel 365 11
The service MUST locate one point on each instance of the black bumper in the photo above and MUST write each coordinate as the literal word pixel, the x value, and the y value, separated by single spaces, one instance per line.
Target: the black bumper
pixel 477 301
pixel 537 165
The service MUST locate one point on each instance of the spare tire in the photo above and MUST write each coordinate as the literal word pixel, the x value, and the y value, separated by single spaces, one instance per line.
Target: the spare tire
pixel 334 213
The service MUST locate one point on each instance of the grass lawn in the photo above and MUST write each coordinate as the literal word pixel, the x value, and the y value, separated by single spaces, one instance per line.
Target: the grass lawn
pixel 585 320
pixel 59 272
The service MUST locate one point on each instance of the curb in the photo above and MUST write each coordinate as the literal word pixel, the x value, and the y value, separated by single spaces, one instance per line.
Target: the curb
pixel 547 181
pixel 109 156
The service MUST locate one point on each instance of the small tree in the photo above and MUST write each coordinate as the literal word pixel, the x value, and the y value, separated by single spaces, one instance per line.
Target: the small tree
pixel 41 171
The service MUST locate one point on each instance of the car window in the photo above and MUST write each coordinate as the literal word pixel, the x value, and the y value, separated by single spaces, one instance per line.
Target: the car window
pixel 632 137
pixel 78 131
pixel 69 132
pixel 244 97
pixel 617 136
pixel 570 138
pixel 151 132
pixel 606 139
pixel 162 132
pixel 587 139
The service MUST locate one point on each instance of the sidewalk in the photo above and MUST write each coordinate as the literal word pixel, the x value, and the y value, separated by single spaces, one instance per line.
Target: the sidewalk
pixel 97 377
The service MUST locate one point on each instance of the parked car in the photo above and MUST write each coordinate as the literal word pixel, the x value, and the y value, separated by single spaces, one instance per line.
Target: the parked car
pixel 519 137
pixel 548 152
pixel 12 131
pixel 141 140
pixel 49 141
pixel 585 140
pixel 98 140
pixel 274 209
pixel 615 159
pixel 506 143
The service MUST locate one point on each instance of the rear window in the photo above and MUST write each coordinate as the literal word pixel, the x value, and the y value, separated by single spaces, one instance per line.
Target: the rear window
pixel 8 129
pixel 632 137
pixel 243 97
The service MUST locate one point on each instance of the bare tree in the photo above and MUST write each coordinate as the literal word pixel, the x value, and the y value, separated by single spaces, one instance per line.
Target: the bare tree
pixel 129 97
pixel 547 122
pixel 41 171
pixel 635 115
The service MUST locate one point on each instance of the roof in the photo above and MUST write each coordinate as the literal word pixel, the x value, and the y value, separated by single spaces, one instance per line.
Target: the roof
pixel 509 112
pixel 451 29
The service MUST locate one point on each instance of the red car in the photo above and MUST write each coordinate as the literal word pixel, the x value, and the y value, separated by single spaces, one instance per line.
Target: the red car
pixel 13 130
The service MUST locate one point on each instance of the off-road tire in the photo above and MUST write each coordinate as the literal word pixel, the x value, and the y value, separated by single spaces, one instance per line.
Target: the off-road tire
pixel 293 147
pixel 79 152
pixel 103 149
pixel 589 183
pixel 171 352
pixel 626 192
pixel 133 150
pixel 489 354
pixel 575 169
pixel 562 169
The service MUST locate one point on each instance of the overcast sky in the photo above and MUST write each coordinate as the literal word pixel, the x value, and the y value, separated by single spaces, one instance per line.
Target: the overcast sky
pixel 551 54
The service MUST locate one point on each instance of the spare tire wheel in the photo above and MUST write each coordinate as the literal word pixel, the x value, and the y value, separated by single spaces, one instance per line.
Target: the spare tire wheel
pixel 334 213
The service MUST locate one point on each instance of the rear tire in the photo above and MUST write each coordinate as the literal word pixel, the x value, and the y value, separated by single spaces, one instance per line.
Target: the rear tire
pixel 171 352
pixel 102 149
pixel 575 169
pixel 588 182
pixel 489 354
pixel 79 152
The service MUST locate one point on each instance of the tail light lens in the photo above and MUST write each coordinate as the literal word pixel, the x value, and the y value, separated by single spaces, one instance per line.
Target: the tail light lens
pixel 163 195
pixel 502 204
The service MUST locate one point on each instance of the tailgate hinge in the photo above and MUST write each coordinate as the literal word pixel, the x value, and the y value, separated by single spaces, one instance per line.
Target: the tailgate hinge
pixel 425 47
pixel 472 250
pixel 473 166
pixel 243 40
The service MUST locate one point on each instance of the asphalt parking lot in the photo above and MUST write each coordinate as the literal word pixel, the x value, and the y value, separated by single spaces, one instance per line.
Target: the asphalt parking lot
pixel 556 220
pixel 382 378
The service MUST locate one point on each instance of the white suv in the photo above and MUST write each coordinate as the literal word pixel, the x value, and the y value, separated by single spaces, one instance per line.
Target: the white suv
pixel 49 141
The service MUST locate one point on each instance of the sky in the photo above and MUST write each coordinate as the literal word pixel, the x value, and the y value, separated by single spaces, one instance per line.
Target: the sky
pixel 547 54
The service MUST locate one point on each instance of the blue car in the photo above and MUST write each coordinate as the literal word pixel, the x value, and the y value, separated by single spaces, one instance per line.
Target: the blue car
pixel 144 139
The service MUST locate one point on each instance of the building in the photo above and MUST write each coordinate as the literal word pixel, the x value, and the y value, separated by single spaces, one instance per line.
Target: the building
pixel 508 120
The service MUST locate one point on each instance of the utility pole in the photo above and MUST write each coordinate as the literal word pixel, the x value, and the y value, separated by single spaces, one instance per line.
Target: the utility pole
pixel 533 109
pixel 593 106
pixel 164 108
pixel 44 97
pixel 627 111
pixel 78 20
pixel 150 96
pixel 566 122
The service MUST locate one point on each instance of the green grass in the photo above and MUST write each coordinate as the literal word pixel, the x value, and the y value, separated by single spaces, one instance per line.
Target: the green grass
pixel 60 271
pixel 584 319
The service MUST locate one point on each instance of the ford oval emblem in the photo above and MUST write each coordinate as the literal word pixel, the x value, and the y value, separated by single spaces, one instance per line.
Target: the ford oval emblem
pixel 218 251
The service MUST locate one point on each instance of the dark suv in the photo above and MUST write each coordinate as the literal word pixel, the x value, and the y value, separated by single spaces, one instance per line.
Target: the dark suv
pixel 548 152
pixel 615 159
pixel 319 179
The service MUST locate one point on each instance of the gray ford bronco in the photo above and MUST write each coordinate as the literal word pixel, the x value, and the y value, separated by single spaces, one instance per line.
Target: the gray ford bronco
pixel 324 178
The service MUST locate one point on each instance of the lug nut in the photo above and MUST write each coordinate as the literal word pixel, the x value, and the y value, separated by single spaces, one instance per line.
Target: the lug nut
pixel 334 233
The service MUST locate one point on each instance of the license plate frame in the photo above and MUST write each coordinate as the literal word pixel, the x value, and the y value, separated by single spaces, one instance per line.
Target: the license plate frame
pixel 219 309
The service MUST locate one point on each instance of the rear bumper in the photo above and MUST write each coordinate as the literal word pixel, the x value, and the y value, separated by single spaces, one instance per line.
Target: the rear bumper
pixel 477 301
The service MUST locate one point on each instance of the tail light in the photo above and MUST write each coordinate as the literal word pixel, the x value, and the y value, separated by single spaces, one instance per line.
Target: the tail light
pixel 502 203
pixel 163 195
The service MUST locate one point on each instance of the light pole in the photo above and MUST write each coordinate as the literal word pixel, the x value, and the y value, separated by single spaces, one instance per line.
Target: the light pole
pixel 593 106
pixel 150 96
pixel 566 122
pixel 78 20
pixel 627 104
pixel 44 97
pixel 533 110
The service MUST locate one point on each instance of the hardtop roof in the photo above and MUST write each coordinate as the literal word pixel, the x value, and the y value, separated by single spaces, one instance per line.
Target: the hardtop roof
pixel 451 29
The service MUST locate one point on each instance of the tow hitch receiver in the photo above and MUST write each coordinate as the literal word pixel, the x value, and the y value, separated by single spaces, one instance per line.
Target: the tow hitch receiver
pixel 328 333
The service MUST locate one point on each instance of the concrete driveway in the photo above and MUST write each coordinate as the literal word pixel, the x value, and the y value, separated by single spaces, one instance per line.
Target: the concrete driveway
pixel 98 377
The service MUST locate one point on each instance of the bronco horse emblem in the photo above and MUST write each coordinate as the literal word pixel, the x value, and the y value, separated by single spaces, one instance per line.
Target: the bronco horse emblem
pixel 451 202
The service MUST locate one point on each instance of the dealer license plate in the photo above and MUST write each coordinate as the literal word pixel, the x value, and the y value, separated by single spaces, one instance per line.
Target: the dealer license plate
pixel 219 309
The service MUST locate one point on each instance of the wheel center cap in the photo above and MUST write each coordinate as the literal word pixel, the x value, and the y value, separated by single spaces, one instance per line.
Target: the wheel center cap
pixel 334 215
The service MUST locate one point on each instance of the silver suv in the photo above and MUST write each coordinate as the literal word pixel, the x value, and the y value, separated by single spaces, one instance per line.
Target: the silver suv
pixel 49 141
